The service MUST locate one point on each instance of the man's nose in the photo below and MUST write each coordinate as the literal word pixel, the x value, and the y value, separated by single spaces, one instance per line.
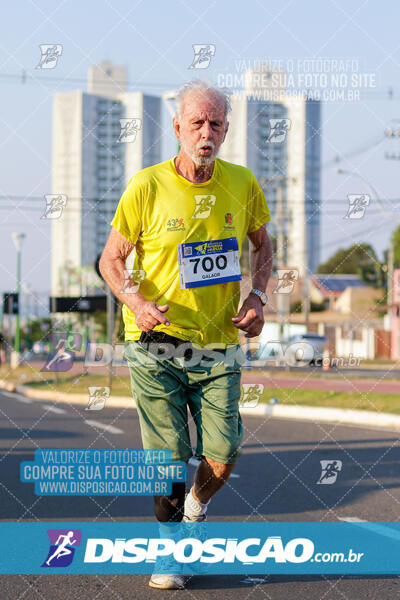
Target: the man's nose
pixel 206 130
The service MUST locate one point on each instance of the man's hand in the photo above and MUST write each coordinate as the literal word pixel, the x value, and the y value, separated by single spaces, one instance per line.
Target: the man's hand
pixel 250 317
pixel 112 268
pixel 149 314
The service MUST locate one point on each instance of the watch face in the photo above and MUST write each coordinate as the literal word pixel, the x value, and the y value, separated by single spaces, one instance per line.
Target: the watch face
pixel 261 295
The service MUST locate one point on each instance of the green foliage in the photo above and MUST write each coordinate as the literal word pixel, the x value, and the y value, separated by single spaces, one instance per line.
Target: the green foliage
pixel 36 331
pixel 358 259
pixel 297 306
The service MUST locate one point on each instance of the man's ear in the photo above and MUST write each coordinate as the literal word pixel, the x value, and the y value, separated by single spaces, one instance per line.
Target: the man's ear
pixel 177 128
pixel 226 130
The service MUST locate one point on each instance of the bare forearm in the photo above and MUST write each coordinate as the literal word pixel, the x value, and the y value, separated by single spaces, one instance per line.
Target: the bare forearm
pixel 261 259
pixel 113 272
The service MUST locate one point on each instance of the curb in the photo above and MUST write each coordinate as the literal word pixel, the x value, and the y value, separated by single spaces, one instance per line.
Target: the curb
pixel 322 413
pixel 23 390
pixel 303 413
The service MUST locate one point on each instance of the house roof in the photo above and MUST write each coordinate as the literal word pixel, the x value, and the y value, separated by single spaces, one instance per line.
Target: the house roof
pixel 337 283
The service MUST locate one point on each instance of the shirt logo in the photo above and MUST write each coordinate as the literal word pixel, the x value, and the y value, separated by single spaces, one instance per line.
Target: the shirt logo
pixel 202 248
pixel 204 204
pixel 177 224
pixel 229 221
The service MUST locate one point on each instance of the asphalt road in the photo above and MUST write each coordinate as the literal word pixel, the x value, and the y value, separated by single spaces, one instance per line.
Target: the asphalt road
pixel 277 476
pixel 383 372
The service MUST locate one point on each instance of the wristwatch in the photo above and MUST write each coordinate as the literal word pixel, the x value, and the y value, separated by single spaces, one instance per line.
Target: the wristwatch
pixel 261 295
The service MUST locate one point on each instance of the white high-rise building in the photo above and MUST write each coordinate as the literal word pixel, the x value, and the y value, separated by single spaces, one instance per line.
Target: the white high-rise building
pixel 279 140
pixel 101 138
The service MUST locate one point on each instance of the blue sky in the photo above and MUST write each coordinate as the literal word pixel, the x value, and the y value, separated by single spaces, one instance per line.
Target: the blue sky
pixel 154 40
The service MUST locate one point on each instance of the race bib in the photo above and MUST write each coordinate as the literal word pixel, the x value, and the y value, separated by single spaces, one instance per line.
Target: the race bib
pixel 208 263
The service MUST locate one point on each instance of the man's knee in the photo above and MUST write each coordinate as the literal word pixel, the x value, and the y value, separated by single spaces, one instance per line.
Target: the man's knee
pixel 220 470
pixel 170 508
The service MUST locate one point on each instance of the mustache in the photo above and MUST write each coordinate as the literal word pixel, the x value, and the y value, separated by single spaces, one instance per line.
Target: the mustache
pixel 201 144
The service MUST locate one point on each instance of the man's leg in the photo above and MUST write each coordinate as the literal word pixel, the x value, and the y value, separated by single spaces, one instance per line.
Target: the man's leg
pixel 158 388
pixel 170 508
pixel 209 477
pixel 214 405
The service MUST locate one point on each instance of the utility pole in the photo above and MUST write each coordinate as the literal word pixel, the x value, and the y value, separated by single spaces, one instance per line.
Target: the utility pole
pixel 281 218
pixel 390 283
pixel 306 279
pixel 18 239
pixel 110 330
pixel 280 257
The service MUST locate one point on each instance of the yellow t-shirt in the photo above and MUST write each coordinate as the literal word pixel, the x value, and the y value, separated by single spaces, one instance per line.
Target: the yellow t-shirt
pixel 161 209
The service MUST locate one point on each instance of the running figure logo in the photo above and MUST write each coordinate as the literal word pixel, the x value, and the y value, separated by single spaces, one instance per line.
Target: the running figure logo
pixel 62 550
pixel 202 55
pixel 97 397
pixel 60 360
pixel 204 204
pixel 129 129
pixel 135 276
pixel 55 204
pixel 251 394
pixel 357 206
pixel 330 470
pixel 286 281
pixel 50 55
pixel 278 129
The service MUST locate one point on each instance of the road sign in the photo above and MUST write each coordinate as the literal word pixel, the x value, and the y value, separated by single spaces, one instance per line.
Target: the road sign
pixel 85 304
pixel 10 303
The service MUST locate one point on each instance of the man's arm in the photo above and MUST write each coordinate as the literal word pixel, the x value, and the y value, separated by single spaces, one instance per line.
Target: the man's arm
pixel 112 266
pixel 250 317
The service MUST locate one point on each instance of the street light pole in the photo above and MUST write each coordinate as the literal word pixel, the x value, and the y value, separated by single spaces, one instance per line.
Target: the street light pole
pixel 372 190
pixel 390 255
pixel 281 218
pixel 18 239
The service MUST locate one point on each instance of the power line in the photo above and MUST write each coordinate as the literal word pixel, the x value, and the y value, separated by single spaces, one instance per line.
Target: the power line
pixel 319 202
pixel 25 78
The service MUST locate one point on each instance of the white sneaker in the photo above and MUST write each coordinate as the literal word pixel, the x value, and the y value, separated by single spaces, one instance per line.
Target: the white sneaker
pixel 167 582
pixel 199 519
pixel 192 508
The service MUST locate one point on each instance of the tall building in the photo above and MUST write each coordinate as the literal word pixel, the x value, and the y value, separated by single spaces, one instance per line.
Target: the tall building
pixel 278 137
pixel 101 138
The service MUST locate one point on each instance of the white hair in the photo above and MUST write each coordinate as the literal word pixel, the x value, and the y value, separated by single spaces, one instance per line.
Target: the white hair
pixel 203 87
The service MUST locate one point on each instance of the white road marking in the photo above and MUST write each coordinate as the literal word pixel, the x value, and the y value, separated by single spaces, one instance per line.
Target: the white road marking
pixel 54 409
pixel 376 527
pixel 109 428
pixel 15 396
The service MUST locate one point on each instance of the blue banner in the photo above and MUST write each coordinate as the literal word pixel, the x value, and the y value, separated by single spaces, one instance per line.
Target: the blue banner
pixel 204 548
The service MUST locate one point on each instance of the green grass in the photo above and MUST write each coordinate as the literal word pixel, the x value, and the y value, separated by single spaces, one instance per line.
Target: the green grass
pixel 359 401
pixel 78 384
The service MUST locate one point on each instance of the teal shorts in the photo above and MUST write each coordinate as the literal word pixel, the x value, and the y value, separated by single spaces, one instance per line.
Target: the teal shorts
pixel 164 389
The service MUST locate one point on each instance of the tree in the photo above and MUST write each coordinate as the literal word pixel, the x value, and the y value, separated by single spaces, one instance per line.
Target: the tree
pixel 395 239
pixel 358 259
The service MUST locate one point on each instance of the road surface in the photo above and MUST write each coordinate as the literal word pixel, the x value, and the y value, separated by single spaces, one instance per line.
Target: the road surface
pixel 277 476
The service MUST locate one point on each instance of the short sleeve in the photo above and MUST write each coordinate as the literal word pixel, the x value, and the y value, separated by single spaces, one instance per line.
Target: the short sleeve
pixel 128 216
pixel 258 207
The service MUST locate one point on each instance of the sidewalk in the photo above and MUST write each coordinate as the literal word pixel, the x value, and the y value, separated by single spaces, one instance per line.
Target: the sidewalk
pixel 379 386
pixel 301 413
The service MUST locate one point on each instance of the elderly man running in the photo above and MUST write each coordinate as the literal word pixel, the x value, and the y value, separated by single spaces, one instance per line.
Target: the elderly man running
pixel 187 219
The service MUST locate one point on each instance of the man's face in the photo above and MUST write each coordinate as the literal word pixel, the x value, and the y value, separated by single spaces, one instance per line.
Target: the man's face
pixel 202 127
